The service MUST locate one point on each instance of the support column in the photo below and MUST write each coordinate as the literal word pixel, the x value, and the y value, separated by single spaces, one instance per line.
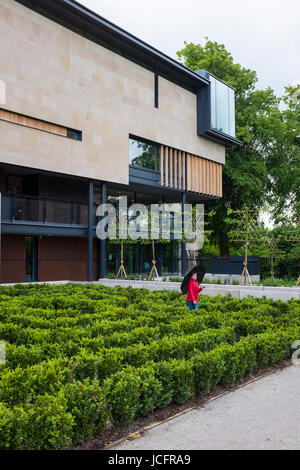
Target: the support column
pixel 90 231
pixel 183 245
pixel 102 246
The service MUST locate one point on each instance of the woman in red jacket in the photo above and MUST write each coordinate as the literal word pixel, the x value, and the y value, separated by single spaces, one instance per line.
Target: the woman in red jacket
pixel 193 292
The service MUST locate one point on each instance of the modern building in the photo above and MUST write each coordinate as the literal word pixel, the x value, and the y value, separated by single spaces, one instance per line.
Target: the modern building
pixel 89 112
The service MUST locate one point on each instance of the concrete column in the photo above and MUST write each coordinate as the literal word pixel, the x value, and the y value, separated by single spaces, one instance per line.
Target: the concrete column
pixel 118 258
pixel 102 247
pixel 160 258
pixel 183 245
pixel 90 231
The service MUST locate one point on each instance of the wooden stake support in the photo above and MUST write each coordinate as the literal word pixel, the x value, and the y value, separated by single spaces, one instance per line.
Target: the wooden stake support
pixel 122 269
pixel 245 274
pixel 154 269
pixel 246 233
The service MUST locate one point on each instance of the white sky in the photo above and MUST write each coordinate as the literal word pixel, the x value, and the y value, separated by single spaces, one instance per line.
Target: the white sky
pixel 263 35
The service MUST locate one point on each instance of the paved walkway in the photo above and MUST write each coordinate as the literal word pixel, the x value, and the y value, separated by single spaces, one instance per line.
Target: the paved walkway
pixel 262 415
pixel 282 293
pixel 276 293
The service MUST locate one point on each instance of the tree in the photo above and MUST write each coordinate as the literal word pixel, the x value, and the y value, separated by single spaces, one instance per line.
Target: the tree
pixel 286 178
pixel 255 173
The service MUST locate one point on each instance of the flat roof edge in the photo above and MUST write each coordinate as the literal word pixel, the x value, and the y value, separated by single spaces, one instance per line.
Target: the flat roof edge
pixel 72 13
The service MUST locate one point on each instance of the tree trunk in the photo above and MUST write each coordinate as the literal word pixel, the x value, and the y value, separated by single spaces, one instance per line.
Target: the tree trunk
pixel 224 244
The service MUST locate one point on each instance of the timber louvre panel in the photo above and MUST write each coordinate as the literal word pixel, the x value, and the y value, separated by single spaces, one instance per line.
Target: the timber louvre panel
pixel 179 170
pixel 33 123
pixel 183 171
pixel 38 124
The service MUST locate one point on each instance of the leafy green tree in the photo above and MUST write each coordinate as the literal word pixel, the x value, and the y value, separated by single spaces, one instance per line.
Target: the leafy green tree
pixel 148 156
pixel 265 169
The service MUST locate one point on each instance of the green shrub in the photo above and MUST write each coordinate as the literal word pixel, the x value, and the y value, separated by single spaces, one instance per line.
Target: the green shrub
pixel 234 362
pixel 12 424
pixel 23 356
pixel 87 405
pixel 272 347
pixel 122 394
pixel 177 379
pixel 46 425
pixel 138 354
pixel 182 380
pixel 207 369
pixel 23 385
pixel 15 386
pixel 163 372
pixel 84 365
pixel 49 376
pixel 76 353
pixel 150 390
pixel 109 362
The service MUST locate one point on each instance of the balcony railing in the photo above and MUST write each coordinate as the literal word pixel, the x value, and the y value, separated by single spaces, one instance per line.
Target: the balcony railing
pixel 17 208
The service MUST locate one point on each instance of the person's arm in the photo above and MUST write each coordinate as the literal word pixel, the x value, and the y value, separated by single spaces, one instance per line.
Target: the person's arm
pixel 200 288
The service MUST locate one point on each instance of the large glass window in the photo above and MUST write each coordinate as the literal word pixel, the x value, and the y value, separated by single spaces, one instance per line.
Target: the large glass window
pixel 144 155
pixel 222 107
pixel 113 196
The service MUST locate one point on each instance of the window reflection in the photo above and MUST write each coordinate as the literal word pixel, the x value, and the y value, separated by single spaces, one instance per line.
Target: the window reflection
pixel 144 155
pixel 222 107
pixel 231 113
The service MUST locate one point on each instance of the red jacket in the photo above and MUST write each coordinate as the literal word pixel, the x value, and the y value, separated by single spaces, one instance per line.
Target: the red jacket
pixel 193 291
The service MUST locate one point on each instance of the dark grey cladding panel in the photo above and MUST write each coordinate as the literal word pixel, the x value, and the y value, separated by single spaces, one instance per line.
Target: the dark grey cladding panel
pixel 144 176
pixel 46 230
pixel 234 265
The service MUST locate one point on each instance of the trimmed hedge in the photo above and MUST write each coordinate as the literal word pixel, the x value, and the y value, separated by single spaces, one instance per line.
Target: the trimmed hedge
pixel 181 379
pixel 81 356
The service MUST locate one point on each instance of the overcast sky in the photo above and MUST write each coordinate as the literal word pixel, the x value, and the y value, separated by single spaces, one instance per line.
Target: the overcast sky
pixel 263 35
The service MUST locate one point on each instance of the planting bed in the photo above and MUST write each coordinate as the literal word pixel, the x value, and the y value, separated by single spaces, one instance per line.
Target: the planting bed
pixel 82 358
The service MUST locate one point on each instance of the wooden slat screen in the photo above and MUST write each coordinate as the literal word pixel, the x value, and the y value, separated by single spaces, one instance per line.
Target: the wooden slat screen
pixel 32 122
pixel 181 170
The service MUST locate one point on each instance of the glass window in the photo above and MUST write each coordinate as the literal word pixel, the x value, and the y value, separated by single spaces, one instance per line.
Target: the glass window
pixel 231 113
pixel 147 199
pixel 113 196
pixel 144 155
pixel 73 134
pixel 213 103
pixel 222 107
pixel 15 184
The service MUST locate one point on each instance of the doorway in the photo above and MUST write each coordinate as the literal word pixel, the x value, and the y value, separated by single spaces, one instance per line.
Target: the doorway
pixel 31 259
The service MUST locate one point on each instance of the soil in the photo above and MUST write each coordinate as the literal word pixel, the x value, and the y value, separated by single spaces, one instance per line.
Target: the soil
pixel 138 426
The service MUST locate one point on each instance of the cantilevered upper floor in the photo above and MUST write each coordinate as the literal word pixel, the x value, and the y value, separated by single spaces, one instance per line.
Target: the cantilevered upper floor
pixel 80 90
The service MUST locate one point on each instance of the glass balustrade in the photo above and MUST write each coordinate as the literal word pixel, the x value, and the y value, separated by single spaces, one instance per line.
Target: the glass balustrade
pixel 47 211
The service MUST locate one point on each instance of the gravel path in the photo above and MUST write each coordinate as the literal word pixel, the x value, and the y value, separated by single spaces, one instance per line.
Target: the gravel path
pixel 262 415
